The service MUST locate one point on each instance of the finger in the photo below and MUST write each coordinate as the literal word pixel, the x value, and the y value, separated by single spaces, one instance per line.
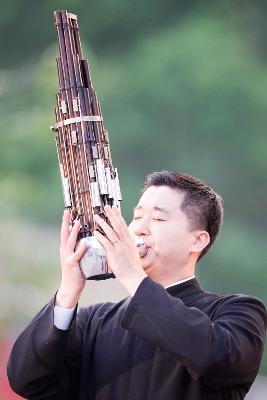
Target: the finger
pixel 72 239
pixel 107 245
pixel 111 235
pixel 117 212
pixel 117 222
pixel 65 228
pixel 80 250
pixel 114 210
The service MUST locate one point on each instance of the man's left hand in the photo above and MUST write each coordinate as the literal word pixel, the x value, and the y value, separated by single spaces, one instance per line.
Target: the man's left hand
pixel 121 252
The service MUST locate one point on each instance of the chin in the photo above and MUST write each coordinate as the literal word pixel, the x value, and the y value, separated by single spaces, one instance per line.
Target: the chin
pixel 145 264
pixel 148 262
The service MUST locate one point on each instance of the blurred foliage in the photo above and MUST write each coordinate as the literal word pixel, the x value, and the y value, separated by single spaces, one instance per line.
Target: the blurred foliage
pixel 116 25
pixel 182 86
pixel 109 24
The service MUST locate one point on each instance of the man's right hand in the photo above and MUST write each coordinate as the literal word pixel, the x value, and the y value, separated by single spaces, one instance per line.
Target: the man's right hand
pixel 72 281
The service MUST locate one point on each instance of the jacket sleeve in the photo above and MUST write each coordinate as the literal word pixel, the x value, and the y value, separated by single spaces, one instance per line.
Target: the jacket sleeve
pixel 222 352
pixel 45 361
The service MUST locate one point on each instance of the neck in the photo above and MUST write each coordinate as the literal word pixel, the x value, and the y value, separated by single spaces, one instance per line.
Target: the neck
pixel 166 278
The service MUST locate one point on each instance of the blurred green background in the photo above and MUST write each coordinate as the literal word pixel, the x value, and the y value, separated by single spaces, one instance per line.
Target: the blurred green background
pixel 182 85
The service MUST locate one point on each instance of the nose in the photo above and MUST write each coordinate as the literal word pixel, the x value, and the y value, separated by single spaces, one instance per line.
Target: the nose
pixel 140 227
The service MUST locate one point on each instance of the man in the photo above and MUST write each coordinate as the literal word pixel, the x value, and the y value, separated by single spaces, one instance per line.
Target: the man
pixel 169 339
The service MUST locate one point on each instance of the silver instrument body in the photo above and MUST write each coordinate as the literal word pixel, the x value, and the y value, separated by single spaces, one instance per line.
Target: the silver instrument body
pixel 93 264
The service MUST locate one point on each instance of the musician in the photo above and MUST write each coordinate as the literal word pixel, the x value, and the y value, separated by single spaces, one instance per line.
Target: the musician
pixel 169 339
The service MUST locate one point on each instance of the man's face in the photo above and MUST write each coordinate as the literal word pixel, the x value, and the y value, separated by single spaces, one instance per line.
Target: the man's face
pixel 159 220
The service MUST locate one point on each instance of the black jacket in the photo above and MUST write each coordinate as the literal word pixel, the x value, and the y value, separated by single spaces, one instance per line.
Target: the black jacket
pixel 179 343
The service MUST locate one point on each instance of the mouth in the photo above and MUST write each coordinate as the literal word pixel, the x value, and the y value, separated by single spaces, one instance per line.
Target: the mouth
pixel 142 246
pixel 143 251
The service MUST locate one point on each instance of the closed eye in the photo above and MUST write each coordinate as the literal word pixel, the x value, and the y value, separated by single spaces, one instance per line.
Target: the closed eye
pixel 154 219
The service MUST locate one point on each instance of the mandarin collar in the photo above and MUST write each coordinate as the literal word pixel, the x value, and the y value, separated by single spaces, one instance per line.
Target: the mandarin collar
pixel 185 288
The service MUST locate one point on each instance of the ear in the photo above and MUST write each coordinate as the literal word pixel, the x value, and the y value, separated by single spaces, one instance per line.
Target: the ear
pixel 201 240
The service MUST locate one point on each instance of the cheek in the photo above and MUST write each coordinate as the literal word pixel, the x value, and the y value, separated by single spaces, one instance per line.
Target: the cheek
pixel 170 241
pixel 162 237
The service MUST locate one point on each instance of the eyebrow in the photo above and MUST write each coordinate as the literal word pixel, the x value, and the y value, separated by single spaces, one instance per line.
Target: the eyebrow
pixel 161 209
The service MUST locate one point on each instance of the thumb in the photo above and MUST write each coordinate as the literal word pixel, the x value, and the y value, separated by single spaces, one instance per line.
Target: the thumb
pixel 80 249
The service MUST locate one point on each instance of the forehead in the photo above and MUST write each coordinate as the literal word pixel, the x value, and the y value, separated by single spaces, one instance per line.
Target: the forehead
pixel 162 197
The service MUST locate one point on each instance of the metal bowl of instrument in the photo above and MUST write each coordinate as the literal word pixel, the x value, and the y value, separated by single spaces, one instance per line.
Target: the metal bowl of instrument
pixel 93 264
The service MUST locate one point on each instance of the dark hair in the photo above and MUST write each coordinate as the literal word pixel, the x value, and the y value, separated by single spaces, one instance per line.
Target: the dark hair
pixel 201 204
